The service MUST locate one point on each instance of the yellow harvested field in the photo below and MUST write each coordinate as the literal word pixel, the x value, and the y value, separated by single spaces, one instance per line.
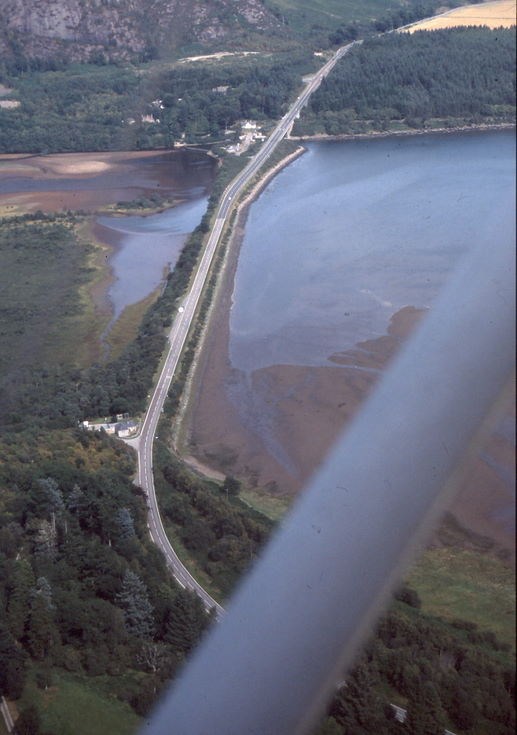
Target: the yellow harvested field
pixel 493 14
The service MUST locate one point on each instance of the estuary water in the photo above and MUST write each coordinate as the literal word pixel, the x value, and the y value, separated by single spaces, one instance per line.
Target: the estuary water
pixel 353 231
pixel 342 254
pixel 147 247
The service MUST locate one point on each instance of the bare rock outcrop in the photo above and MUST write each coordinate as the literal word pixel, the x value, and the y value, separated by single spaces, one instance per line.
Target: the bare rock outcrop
pixel 80 30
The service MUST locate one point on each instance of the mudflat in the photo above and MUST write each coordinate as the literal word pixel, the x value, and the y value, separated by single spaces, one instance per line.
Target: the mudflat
pixel 308 406
pixel 80 181
pixel 307 409
pixel 303 409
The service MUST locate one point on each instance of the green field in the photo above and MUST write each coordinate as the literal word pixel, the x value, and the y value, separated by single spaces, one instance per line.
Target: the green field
pixel 467 585
pixel 76 707
pixel 304 14
pixel 269 505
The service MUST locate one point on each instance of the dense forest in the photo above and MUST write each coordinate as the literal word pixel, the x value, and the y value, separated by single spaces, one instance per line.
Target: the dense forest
pixel 82 589
pixel 107 107
pixel 85 598
pixel 400 81
pixel 447 676
pixel 447 77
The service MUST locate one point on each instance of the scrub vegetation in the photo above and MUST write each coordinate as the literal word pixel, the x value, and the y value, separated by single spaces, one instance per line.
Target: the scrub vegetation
pixel 44 269
pixel 469 585
pixel 219 532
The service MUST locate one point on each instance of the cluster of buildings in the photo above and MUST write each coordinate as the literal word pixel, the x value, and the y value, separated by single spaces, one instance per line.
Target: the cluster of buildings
pixel 122 427
pixel 250 132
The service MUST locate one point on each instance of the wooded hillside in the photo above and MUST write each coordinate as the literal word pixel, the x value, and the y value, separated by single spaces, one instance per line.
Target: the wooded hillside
pixel 83 591
pixel 399 80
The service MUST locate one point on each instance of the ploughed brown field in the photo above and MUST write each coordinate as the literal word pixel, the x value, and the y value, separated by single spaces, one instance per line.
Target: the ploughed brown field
pixel 497 14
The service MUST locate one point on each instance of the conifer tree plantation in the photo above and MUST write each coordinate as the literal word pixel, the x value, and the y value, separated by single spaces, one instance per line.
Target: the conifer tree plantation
pixel 446 78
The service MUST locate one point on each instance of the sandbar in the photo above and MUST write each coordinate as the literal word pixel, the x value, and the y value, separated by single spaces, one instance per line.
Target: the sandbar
pixel 79 181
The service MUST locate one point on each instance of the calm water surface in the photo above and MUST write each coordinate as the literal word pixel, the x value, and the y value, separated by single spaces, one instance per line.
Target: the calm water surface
pixel 149 246
pixel 146 248
pixel 353 231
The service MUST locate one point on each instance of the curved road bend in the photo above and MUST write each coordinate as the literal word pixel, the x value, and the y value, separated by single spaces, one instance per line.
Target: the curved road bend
pixel 180 329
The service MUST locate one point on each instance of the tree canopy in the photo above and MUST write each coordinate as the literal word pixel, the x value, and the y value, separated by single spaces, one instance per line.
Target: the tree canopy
pixel 457 75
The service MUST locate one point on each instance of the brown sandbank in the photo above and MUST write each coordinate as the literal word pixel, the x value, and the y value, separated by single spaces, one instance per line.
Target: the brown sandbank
pixel 305 409
pixel 309 406
pixel 88 181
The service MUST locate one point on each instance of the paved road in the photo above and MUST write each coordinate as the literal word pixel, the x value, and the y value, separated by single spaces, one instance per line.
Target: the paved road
pixel 6 714
pixel 180 329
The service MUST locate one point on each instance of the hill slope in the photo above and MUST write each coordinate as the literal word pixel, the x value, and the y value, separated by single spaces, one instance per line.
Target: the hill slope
pixel 81 30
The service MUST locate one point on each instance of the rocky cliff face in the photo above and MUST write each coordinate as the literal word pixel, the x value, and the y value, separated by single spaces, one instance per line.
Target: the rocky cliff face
pixel 79 30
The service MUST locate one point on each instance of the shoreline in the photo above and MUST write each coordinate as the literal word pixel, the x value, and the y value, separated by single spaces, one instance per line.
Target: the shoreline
pixel 209 430
pixel 220 305
pixel 93 184
pixel 374 134
pixel 268 176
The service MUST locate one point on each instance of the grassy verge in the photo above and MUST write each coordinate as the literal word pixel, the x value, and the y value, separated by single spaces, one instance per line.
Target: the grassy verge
pixel 270 506
pixel 96 309
pixel 193 566
pixel 467 585
pixel 74 706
